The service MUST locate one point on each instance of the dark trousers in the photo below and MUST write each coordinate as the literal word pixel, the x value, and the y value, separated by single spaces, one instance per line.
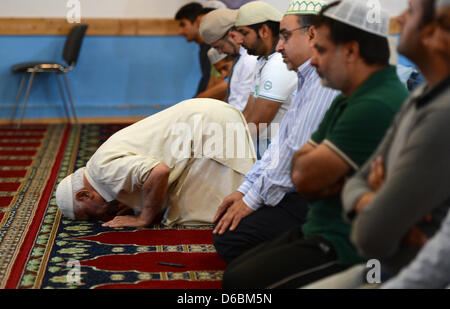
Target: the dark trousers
pixel 264 224
pixel 288 262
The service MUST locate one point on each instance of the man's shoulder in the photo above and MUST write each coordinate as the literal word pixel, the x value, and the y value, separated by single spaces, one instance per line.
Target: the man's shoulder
pixel 275 60
pixel 388 96
pixel 275 68
pixel 247 62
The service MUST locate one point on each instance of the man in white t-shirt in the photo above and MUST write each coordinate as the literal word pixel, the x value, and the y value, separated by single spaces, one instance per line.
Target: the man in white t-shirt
pixel 274 84
pixel 183 160
pixel 217 29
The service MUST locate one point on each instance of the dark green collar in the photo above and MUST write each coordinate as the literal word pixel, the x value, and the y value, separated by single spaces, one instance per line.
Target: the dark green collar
pixel 373 81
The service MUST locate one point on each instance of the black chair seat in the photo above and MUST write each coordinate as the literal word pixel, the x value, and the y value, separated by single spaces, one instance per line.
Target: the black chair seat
pixel 46 66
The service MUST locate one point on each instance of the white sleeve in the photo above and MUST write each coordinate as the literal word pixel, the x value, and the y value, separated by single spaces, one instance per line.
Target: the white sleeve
pixel 243 82
pixel 277 83
pixel 121 173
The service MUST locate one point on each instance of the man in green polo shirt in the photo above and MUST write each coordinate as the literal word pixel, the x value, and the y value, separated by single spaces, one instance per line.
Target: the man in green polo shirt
pixel 351 55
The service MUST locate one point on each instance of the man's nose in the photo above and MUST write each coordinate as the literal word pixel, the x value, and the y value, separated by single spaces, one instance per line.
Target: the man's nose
pixel 280 46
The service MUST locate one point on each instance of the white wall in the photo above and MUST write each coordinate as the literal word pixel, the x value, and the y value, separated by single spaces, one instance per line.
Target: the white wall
pixel 129 8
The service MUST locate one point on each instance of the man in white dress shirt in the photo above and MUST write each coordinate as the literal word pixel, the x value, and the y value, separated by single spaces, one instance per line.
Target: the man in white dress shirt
pixel 217 29
pixel 183 161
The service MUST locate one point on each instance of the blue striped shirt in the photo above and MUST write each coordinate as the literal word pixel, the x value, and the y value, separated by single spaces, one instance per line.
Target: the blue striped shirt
pixel 270 178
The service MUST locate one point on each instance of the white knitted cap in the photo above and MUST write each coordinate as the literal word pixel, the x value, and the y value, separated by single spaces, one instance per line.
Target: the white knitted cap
pixel 365 15
pixel 213 4
pixel 214 55
pixel 65 193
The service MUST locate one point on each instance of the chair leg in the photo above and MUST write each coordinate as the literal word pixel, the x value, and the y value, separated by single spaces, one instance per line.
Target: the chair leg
pixel 18 96
pixel 61 91
pixel 27 95
pixel 70 97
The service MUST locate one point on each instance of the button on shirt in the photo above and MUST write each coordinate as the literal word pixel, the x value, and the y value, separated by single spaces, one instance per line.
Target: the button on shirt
pixel 242 80
pixel 270 178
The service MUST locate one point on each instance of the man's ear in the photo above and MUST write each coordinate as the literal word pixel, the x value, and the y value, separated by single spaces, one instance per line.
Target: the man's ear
pixel 198 21
pixel 82 195
pixel 351 51
pixel 311 33
pixel 263 31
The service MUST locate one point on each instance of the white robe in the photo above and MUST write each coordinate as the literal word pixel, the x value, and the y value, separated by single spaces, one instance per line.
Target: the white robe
pixel 207 160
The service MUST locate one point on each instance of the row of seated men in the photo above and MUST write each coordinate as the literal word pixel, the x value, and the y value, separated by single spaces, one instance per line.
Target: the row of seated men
pixel 325 161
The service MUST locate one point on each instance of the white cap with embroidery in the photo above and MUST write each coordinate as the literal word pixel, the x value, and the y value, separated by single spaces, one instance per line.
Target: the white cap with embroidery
pixel 310 7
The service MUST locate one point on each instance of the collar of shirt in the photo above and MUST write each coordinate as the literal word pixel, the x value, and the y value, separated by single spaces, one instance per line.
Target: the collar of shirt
pixel 272 52
pixel 425 95
pixel 304 72
pixel 242 51
pixel 378 77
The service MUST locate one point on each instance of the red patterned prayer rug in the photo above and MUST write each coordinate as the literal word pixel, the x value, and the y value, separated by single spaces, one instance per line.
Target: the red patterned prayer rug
pixel 39 249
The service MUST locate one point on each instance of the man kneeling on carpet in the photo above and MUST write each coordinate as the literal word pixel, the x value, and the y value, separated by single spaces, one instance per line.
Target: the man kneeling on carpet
pixel 181 162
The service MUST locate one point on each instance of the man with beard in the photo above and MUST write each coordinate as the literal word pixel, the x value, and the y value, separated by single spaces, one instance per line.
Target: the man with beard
pixel 351 55
pixel 273 86
pixel 266 204
pixel 217 29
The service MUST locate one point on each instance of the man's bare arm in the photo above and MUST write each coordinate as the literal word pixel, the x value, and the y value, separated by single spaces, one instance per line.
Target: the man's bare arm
pixel 318 172
pixel 217 91
pixel 248 108
pixel 154 191
pixel 263 112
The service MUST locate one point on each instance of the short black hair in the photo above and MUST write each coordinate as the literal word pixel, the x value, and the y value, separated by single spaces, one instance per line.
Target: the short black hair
pixel 374 49
pixel 206 11
pixel 190 11
pixel 307 20
pixel 273 26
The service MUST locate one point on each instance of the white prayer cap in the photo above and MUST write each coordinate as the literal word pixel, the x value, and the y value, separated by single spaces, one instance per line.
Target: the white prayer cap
pixel 214 4
pixel 257 12
pixel 442 4
pixel 65 193
pixel 360 15
pixel 312 7
pixel 214 55
pixel 216 24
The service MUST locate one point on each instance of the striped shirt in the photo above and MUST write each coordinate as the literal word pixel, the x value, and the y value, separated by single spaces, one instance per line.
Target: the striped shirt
pixel 270 178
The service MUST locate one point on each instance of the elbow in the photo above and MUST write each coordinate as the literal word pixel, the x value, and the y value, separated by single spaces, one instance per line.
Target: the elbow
pixel 162 170
pixel 372 244
pixel 298 180
pixel 303 184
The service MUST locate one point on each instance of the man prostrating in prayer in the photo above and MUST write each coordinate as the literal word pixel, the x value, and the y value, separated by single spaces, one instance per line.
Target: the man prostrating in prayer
pixel 181 162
